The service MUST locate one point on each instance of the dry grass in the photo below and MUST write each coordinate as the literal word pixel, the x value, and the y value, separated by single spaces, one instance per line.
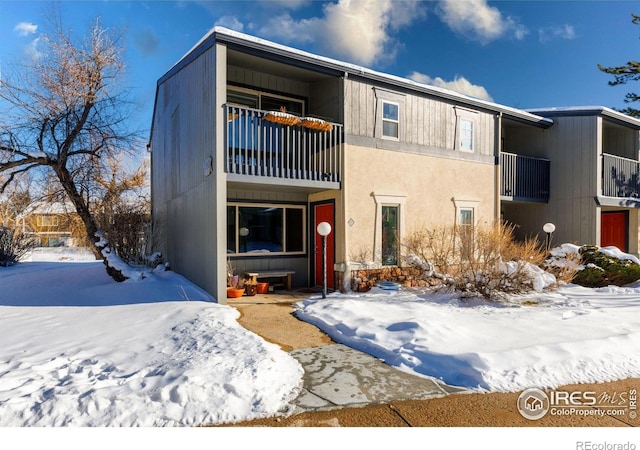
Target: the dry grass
pixel 484 260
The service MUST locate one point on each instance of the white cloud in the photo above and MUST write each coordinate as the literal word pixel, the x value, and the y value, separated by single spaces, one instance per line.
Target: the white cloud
pixel 477 20
pixel 230 22
pixel 557 32
pixel 357 30
pixel 32 50
pixel 25 28
pixel 459 84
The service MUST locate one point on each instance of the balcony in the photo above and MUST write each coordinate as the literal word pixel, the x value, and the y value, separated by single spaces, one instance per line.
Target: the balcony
pixel 524 178
pixel 620 177
pixel 261 151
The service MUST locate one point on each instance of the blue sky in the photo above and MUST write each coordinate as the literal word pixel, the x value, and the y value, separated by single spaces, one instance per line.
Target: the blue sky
pixel 521 53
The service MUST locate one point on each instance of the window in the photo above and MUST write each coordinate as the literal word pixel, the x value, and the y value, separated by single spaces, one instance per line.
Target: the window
pixel 260 100
pixel 48 221
pixel 390 120
pixel 389 235
pixel 466 135
pixel 254 229
pixel 465 226
pixel 389 228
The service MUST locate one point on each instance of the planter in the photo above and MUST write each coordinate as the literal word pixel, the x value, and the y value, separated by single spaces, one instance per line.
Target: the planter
pixel 251 289
pixel 263 288
pixel 316 124
pixel 234 292
pixel 282 118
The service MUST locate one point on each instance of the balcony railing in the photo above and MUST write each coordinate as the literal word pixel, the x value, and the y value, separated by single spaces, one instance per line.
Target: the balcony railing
pixel 258 147
pixel 620 177
pixel 524 178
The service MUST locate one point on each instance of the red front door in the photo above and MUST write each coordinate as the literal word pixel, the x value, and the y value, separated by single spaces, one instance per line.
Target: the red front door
pixel 324 213
pixel 614 229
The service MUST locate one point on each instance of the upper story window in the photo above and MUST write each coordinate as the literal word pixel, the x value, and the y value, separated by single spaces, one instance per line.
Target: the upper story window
pixel 265 101
pixel 390 120
pixel 466 135
pixel 48 221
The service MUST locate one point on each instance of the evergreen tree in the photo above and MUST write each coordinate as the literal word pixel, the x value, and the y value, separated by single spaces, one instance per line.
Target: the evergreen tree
pixel 622 74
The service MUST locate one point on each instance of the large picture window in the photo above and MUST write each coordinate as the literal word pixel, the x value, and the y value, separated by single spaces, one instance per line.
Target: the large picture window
pixel 256 229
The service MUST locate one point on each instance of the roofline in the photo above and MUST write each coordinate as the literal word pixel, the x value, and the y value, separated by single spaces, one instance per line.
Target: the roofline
pixel 303 59
pixel 575 111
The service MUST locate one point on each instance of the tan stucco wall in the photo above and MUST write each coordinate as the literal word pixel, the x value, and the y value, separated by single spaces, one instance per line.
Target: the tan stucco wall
pixel 426 185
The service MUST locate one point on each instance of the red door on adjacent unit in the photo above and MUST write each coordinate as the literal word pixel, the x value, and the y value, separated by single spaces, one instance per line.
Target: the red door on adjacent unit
pixel 614 229
pixel 324 213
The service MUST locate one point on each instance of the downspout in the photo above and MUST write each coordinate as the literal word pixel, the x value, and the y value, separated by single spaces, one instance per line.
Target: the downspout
pixel 498 168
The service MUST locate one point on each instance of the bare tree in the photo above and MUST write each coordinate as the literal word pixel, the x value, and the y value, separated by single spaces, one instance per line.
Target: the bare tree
pixel 67 114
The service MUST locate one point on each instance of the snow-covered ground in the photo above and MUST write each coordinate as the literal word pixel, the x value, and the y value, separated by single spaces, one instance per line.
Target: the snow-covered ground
pixel 572 335
pixel 78 349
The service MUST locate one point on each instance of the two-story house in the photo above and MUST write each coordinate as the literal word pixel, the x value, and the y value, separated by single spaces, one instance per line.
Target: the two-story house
pixel 254 143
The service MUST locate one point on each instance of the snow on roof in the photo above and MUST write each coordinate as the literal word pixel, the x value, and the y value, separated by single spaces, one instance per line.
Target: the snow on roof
pixel 43 207
pixel 586 111
pixel 222 34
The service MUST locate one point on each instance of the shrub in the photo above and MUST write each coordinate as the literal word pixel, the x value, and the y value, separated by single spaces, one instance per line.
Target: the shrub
pixel 604 270
pixel 485 261
pixel 14 245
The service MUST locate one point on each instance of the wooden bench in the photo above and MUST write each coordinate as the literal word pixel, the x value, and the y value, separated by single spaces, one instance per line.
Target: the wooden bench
pixel 286 276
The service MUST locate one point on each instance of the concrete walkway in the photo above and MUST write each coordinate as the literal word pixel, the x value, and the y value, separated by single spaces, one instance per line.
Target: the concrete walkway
pixel 348 388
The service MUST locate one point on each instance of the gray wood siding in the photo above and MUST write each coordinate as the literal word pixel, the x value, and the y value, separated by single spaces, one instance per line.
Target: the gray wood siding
pixel 574 177
pixel 424 121
pixel 184 200
pixel 267 81
pixel 620 142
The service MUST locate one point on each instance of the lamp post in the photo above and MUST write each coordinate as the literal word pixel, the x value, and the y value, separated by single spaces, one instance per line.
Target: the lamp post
pixel 548 228
pixel 324 228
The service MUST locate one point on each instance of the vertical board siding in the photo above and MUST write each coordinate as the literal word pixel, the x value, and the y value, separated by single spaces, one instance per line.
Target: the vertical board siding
pixel 183 203
pixel 425 121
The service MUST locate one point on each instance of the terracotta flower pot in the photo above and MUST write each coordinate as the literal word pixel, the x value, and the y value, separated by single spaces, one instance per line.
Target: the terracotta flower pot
pixel 263 288
pixel 234 292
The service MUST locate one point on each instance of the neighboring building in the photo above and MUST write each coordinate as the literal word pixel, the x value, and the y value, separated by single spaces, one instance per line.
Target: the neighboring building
pixel 233 178
pixel 593 196
pixel 55 224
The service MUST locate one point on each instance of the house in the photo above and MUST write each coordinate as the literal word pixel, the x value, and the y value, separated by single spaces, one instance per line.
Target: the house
pixel 231 180
pixel 55 224
pixel 590 157
pixel 253 144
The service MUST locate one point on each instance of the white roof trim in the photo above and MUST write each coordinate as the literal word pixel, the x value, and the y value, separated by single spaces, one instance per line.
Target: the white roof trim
pixel 365 72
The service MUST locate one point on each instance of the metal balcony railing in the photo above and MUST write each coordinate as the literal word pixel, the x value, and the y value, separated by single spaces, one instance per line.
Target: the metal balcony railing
pixel 524 178
pixel 620 177
pixel 256 146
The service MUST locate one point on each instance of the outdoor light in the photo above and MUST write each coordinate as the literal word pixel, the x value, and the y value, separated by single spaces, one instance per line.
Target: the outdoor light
pixel 324 229
pixel 244 231
pixel 548 228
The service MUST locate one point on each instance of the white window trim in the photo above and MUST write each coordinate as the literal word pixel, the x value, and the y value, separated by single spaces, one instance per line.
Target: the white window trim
pixel 473 134
pixel 383 120
pixel 387 200
pixel 470 116
pixel 284 206
pixel 466 204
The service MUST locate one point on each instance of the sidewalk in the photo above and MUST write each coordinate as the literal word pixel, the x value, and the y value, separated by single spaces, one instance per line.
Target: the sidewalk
pixel 347 388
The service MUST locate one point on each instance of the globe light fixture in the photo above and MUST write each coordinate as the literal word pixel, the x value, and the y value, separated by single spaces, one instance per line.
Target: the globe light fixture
pixel 324 229
pixel 548 228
